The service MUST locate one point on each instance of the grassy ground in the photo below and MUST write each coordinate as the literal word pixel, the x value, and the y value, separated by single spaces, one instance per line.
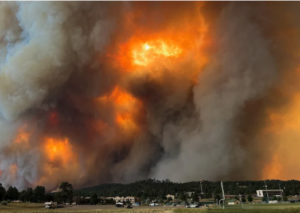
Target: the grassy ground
pixel 248 208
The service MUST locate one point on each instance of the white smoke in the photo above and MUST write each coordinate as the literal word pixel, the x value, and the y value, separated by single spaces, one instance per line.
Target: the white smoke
pixel 42 43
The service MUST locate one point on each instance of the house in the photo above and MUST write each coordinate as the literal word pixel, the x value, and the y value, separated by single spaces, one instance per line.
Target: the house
pixel 170 196
pixel 130 199
pixel 294 199
pixel 233 202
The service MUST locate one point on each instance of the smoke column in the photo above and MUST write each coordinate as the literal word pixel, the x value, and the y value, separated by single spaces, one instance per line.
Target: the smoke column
pixel 94 92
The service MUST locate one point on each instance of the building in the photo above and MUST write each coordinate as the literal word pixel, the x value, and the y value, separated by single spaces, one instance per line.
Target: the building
pixel 130 199
pixel 170 196
pixel 270 192
pixel 295 199
pixel 233 202
pixel 234 196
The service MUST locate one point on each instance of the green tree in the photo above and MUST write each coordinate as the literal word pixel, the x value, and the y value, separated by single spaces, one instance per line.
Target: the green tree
pixel 285 198
pixel 243 200
pixel 22 195
pixel 29 195
pixel 249 198
pixel 66 194
pixel 39 193
pixel 49 197
pixel 12 193
pixel 182 196
pixel 279 199
pixel 274 198
pixel 94 199
pixel 2 192
pixel 195 197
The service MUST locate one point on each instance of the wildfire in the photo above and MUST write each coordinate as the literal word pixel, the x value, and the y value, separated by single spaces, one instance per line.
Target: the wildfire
pixel 283 133
pixel 273 169
pixel 125 105
pixel 57 149
pixel 147 53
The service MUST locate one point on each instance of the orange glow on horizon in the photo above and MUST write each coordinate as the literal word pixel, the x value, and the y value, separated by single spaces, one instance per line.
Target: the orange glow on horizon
pixel 273 170
pixel 283 131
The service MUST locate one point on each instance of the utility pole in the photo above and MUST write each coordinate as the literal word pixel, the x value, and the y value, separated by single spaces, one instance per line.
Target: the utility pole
pixel 267 191
pixel 241 201
pixel 223 195
pixel 201 188
pixel 280 192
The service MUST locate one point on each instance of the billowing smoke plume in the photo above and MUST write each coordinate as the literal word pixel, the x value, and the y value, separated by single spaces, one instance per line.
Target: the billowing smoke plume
pixel 95 92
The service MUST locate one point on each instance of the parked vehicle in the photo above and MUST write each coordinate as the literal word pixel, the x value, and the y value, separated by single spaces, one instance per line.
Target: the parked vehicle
pixel 119 205
pixel 153 204
pixel 192 206
pixel 136 204
pixel 50 205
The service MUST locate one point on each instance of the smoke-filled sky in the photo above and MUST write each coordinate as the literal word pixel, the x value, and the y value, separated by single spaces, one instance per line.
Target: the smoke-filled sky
pixel 94 92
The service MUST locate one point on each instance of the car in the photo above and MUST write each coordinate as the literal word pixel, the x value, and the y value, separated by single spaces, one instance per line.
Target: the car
pixel 153 204
pixel 119 205
pixel 192 206
pixel 135 204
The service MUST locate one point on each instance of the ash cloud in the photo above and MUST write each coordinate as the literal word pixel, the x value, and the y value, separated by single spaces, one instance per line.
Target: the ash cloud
pixel 71 104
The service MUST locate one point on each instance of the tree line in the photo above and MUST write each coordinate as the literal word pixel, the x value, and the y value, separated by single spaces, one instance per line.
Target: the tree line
pixel 149 189
pixel 158 189
pixel 38 194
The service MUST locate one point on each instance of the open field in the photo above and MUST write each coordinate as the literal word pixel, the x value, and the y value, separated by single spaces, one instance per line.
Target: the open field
pixel 256 208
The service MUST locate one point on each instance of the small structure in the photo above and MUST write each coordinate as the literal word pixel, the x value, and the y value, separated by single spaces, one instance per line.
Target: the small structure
pixel 270 192
pixel 233 202
pixel 170 196
pixel 130 199
pixel 295 199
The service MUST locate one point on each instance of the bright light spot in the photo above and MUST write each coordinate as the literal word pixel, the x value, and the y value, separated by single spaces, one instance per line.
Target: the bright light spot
pixel 145 54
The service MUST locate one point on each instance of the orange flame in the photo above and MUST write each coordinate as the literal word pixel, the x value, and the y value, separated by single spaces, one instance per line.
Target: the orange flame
pixel 147 53
pixel 125 105
pixel 57 149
